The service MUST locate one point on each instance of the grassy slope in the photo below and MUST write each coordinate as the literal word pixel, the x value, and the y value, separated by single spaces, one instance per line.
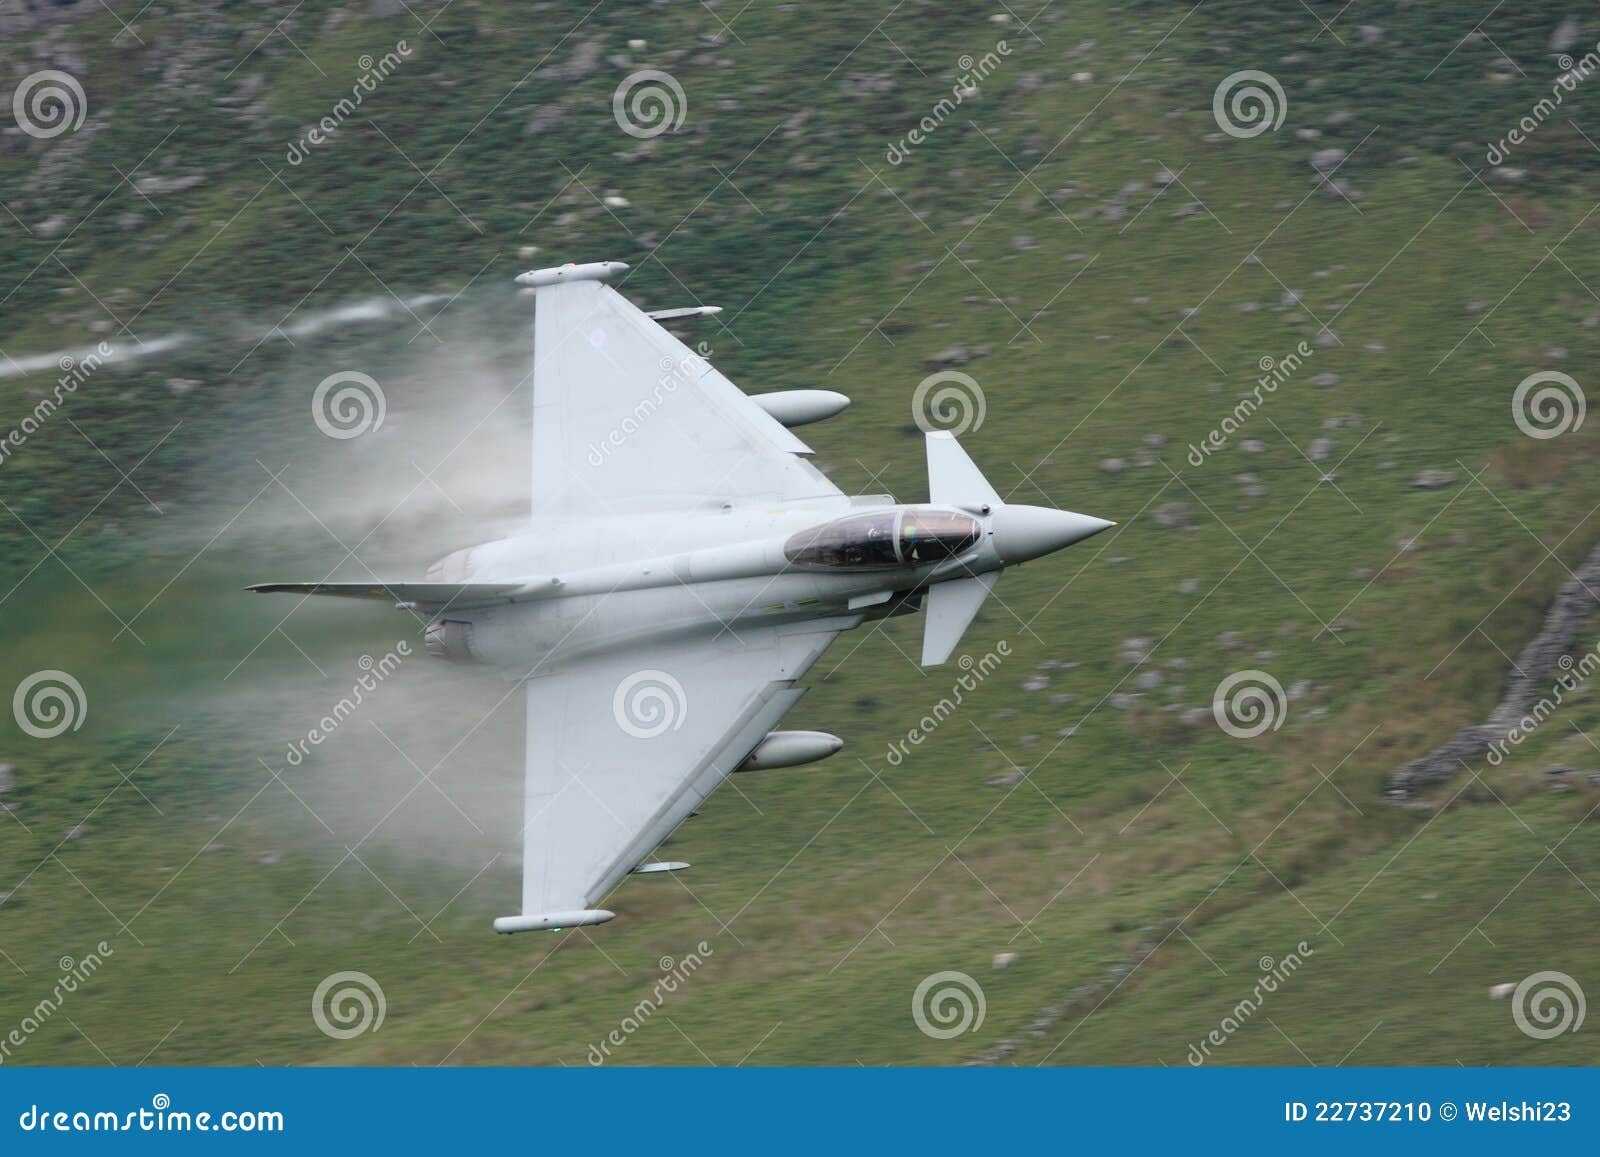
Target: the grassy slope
pixel 853 882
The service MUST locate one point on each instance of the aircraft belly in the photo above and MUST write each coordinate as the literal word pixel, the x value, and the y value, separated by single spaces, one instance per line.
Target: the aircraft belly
pixel 542 637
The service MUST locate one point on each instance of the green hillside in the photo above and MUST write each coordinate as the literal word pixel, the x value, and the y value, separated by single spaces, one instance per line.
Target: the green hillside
pixel 1076 233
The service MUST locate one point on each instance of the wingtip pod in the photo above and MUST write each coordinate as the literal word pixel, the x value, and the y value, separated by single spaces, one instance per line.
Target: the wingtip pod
pixel 551 921
pixel 557 274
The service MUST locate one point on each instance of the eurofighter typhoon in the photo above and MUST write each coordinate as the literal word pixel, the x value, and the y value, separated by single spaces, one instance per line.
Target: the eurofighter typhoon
pixel 684 566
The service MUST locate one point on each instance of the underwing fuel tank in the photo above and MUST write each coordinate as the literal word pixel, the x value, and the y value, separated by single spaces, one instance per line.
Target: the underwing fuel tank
pixel 790 749
pixel 801 407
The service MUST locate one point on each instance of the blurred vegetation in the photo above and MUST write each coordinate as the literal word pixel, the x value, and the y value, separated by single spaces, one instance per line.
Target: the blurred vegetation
pixel 1107 311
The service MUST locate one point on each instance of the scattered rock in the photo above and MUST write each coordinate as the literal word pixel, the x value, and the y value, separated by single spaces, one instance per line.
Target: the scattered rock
pixel 1173 514
pixel 1005 959
pixel 544 117
pixel 1113 466
pixel 1433 479
pixel 159 185
pixel 955 355
pixel 1326 160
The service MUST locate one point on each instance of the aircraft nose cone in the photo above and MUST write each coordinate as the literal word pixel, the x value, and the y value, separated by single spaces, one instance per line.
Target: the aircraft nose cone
pixel 1024 532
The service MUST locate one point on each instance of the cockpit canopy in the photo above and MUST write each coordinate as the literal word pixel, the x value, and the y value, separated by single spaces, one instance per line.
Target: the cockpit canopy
pixel 883 540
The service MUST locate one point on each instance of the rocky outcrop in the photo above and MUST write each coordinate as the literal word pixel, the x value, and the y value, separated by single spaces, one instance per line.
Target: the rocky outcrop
pixel 1530 678
pixel 26 15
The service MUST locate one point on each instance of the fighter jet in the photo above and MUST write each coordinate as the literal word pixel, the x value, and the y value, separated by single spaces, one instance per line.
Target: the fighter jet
pixel 684 566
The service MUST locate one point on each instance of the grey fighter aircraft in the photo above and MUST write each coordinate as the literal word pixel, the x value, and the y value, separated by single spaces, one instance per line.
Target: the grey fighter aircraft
pixel 685 565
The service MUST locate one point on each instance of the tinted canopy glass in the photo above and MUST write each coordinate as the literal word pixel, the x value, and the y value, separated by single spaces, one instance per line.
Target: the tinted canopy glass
pixel 933 535
pixel 883 540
